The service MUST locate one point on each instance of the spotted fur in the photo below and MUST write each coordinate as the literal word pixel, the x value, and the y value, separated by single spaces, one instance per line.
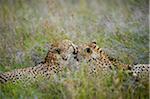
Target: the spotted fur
pixel 141 71
pixel 55 61
pixel 99 61
pixel 66 54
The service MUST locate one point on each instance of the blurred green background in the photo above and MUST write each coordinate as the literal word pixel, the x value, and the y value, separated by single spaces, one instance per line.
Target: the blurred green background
pixel 27 27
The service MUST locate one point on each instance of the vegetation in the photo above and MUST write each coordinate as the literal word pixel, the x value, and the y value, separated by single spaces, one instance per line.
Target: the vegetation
pixel 28 27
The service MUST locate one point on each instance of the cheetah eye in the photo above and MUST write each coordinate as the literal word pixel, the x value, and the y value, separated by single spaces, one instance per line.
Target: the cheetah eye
pixel 88 50
pixel 58 50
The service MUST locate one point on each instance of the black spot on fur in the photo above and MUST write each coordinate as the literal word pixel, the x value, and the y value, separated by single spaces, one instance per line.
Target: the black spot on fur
pixel 88 50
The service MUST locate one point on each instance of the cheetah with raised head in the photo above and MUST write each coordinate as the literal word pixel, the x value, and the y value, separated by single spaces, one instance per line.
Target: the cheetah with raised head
pixel 99 61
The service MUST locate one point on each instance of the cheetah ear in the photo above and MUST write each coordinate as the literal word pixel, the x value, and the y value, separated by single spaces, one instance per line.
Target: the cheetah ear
pixel 94 42
pixel 51 46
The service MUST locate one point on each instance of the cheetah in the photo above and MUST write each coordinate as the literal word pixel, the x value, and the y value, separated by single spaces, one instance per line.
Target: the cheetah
pixel 99 61
pixel 54 62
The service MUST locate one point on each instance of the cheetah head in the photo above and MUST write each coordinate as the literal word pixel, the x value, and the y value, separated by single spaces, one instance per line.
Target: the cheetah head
pixel 88 51
pixel 65 53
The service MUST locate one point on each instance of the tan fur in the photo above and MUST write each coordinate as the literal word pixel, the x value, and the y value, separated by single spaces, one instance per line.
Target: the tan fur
pixel 55 60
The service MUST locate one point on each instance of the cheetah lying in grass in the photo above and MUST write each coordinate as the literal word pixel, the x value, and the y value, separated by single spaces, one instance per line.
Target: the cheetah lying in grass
pixel 53 63
pixel 99 61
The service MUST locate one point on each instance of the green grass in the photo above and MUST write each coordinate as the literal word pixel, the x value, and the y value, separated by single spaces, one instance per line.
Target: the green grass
pixel 28 27
pixel 78 85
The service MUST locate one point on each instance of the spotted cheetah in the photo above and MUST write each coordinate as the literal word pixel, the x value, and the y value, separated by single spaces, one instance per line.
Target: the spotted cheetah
pixel 54 62
pixel 99 61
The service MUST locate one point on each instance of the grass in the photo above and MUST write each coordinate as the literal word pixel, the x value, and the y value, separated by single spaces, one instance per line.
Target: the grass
pixel 78 85
pixel 28 27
